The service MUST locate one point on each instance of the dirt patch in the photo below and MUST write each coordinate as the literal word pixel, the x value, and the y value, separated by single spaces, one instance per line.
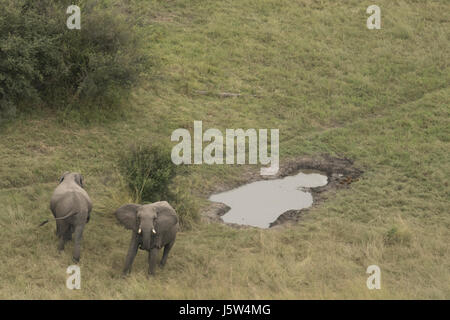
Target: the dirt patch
pixel 340 172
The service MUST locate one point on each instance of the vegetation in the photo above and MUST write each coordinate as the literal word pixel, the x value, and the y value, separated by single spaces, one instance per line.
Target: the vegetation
pixel 149 171
pixel 42 62
pixel 310 68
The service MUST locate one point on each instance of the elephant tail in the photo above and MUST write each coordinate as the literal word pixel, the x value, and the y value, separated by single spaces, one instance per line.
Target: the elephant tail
pixel 43 222
pixel 67 215
pixel 61 218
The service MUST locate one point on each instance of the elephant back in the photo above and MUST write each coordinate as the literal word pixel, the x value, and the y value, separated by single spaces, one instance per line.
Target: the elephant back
pixel 69 202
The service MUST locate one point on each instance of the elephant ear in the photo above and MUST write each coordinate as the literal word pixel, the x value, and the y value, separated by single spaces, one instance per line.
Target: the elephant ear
pixel 63 176
pixel 79 179
pixel 127 216
pixel 166 216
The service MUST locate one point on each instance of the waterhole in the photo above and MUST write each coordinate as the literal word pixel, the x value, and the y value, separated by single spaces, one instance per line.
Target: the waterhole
pixel 260 203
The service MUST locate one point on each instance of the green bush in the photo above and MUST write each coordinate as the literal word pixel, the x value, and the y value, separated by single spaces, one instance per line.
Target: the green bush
pixel 149 173
pixel 43 62
pixel 148 170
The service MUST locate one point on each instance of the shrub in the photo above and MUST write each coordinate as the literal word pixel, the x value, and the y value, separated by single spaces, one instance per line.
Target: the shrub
pixel 42 61
pixel 148 170
pixel 397 236
pixel 149 173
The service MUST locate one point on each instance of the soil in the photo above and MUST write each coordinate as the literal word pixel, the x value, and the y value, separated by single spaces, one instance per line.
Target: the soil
pixel 341 172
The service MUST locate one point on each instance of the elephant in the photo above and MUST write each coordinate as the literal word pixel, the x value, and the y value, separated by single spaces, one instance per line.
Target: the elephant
pixel 71 207
pixel 153 226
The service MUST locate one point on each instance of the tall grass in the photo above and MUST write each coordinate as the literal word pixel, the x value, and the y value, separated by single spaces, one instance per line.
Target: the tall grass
pixel 311 69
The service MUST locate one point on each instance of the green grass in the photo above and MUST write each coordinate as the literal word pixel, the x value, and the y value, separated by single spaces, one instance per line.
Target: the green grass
pixel 380 97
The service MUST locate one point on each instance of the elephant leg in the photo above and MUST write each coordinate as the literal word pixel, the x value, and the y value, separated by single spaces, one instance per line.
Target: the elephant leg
pixel 132 250
pixel 61 244
pixel 167 248
pixel 77 245
pixel 68 233
pixel 61 230
pixel 152 257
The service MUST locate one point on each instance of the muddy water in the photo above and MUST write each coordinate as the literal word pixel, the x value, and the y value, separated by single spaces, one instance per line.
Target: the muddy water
pixel 260 203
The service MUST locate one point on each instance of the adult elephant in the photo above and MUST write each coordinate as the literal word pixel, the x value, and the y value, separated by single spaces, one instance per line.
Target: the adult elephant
pixel 71 207
pixel 153 226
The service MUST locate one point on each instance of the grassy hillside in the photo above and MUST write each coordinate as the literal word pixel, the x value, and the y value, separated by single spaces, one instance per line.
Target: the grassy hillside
pixel 313 70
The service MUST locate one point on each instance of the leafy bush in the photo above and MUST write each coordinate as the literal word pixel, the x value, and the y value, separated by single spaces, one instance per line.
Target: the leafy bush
pixel 149 173
pixel 42 61
pixel 148 170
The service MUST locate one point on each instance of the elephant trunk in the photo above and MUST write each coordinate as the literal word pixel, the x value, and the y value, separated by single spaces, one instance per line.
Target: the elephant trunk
pixel 146 240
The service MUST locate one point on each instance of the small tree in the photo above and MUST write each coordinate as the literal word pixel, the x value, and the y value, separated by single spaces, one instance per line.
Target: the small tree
pixel 148 171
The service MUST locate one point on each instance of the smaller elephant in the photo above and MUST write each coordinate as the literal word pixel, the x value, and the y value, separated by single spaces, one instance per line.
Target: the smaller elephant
pixel 154 226
pixel 71 207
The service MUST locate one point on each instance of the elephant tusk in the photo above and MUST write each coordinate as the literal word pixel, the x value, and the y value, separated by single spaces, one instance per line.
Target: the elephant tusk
pixel 139 231
pixel 153 230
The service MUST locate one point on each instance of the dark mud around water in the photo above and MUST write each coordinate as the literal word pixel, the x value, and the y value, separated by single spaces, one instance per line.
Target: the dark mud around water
pixel 300 185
